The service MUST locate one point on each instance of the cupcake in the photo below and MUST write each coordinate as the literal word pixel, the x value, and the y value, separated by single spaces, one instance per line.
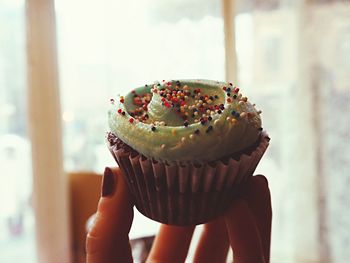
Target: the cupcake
pixel 185 147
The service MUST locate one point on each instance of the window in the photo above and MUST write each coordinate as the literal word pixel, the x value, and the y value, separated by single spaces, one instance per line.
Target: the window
pixel 16 214
pixel 292 61
pixel 108 49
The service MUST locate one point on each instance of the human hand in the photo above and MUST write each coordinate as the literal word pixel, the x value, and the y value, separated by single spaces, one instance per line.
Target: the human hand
pixel 246 227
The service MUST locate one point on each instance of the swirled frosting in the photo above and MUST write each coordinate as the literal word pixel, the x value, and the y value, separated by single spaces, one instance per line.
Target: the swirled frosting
pixel 186 120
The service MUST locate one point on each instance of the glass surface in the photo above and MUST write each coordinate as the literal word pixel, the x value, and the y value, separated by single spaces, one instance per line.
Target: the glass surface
pixel 17 242
pixel 273 44
pixel 109 49
pixel 267 72
pixel 331 79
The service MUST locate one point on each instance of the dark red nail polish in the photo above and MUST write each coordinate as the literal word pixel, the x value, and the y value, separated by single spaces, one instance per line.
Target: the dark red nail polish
pixel 108 183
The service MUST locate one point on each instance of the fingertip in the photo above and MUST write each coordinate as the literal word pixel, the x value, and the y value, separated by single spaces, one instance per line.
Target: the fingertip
pixel 257 186
pixel 257 193
pixel 262 179
pixel 109 183
pixel 122 184
pixel 107 239
pixel 115 195
pixel 107 170
pixel 115 207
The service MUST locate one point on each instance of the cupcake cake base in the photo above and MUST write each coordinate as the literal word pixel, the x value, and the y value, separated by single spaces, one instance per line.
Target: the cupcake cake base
pixel 185 193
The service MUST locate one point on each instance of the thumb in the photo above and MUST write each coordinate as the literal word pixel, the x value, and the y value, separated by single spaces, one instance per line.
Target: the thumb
pixel 107 240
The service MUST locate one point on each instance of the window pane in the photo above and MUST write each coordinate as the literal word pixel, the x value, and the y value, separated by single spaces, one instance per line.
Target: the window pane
pixel 274 42
pixel 331 79
pixel 107 49
pixel 110 47
pixel 17 243
pixel 267 71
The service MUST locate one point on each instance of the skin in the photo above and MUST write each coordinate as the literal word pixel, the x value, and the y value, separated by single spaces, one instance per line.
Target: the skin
pixel 246 228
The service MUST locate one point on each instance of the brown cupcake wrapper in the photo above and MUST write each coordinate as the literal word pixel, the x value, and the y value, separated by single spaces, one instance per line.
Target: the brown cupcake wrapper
pixel 187 194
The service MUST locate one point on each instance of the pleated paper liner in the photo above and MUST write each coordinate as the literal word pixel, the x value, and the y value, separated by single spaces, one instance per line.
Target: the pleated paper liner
pixel 184 194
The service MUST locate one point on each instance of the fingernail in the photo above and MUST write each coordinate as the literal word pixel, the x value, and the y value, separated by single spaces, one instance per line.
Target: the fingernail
pixel 108 183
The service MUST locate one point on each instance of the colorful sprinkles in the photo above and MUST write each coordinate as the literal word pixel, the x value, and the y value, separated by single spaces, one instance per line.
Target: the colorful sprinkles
pixel 191 104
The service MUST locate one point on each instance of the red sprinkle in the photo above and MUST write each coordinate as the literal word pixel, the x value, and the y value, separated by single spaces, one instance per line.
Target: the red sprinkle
pixel 119 111
pixel 224 88
pixel 131 120
pixel 121 100
pixel 236 90
pixel 138 101
pixel 229 100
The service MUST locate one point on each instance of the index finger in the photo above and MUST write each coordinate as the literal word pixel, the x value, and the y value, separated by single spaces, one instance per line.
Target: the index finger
pixel 107 240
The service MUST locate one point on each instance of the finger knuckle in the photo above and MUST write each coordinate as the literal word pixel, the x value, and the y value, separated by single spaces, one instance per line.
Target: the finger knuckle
pixel 92 245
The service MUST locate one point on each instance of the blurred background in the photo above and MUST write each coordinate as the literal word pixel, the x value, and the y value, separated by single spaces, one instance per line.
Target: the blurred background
pixel 291 58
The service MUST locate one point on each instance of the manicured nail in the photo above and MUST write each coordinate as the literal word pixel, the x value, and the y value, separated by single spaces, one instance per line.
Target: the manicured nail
pixel 108 183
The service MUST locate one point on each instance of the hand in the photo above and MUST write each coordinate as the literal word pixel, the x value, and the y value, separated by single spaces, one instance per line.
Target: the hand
pixel 246 227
